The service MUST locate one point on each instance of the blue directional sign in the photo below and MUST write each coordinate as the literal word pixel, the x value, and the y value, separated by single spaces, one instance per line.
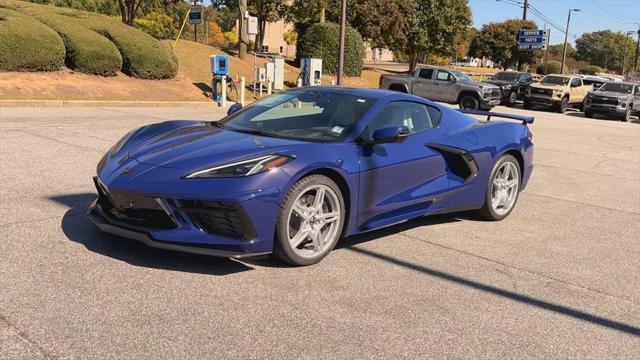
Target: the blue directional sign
pixel 533 39
pixel 195 14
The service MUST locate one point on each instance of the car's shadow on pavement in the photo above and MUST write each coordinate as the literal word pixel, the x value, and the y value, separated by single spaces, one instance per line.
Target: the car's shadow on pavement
pixel 634 119
pixel 79 229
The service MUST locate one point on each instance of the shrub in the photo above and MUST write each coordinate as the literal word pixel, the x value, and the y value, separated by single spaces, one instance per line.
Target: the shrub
pixel 142 56
pixel 87 51
pixel 553 67
pixel 322 41
pixel 156 24
pixel 590 70
pixel 28 45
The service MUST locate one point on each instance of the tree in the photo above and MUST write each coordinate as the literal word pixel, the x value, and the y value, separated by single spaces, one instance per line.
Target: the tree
pixel 605 48
pixel 433 27
pixel 128 10
pixel 379 21
pixel 557 49
pixel 216 37
pixel 265 11
pixel 499 41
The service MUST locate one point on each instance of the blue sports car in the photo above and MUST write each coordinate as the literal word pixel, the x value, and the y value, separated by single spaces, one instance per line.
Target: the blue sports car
pixel 294 172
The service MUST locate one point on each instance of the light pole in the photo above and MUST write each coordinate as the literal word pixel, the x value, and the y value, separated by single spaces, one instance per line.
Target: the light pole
pixel 635 64
pixel 343 19
pixel 624 57
pixel 566 33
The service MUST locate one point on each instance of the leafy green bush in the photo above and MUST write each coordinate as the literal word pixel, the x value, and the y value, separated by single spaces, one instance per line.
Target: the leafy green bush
pixel 87 51
pixel 590 70
pixel 28 45
pixel 156 24
pixel 553 67
pixel 323 40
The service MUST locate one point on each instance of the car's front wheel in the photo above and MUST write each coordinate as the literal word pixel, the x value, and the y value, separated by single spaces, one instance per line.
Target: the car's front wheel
pixel 513 98
pixel 469 102
pixel 627 115
pixel 503 188
pixel 561 106
pixel 310 222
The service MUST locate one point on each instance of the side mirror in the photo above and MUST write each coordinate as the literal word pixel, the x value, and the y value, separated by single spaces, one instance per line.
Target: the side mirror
pixel 391 134
pixel 234 108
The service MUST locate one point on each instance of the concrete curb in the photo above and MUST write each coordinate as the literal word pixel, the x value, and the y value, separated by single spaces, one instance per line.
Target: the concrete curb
pixel 105 103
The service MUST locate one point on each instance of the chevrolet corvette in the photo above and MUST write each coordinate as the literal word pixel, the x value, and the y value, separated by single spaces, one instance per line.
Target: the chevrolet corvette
pixel 293 173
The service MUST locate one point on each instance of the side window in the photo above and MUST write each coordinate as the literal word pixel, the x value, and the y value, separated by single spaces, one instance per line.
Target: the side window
pixel 576 82
pixel 637 92
pixel 443 75
pixel 417 117
pixel 425 74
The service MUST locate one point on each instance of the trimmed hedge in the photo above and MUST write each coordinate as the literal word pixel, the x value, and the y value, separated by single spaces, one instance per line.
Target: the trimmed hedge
pixel 28 45
pixel 553 67
pixel 98 44
pixel 87 51
pixel 323 41
pixel 590 70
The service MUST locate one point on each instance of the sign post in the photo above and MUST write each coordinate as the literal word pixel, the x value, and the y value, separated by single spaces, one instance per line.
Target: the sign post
pixel 195 18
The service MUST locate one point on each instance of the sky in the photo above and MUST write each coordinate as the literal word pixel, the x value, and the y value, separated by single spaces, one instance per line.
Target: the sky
pixel 616 15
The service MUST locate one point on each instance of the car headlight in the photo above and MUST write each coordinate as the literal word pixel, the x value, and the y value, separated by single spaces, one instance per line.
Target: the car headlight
pixel 118 146
pixel 557 91
pixel 243 167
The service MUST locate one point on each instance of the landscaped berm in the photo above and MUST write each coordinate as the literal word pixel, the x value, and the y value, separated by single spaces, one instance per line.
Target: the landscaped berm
pixel 44 38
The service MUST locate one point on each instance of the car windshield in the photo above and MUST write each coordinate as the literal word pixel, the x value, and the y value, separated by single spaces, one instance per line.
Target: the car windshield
pixel 460 75
pixel 555 80
pixel 617 87
pixel 506 76
pixel 313 115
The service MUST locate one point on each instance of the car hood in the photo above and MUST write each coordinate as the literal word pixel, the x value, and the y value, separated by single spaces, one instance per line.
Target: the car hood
pixel 547 86
pixel 500 82
pixel 204 144
pixel 611 94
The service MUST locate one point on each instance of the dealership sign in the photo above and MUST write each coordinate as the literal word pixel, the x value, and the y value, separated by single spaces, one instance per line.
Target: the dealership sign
pixel 531 40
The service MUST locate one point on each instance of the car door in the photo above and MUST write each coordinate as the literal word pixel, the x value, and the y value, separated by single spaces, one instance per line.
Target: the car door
pixel 636 99
pixel 405 175
pixel 445 89
pixel 423 83
pixel 576 92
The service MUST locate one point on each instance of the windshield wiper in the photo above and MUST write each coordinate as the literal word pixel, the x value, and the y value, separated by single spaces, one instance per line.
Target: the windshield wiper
pixel 250 131
pixel 217 124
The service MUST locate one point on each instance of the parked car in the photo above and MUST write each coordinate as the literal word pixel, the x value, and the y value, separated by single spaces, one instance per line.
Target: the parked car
pixel 445 85
pixel 595 81
pixel 557 92
pixel 619 100
pixel 513 85
pixel 294 172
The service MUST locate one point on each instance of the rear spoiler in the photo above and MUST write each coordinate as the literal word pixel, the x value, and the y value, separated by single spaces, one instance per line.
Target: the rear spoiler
pixel 525 119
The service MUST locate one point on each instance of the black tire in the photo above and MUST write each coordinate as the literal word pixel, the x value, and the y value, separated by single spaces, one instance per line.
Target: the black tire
pixel 487 212
pixel 527 104
pixel 281 247
pixel 398 88
pixel 469 102
pixel 627 115
pixel 561 107
pixel 513 98
pixel 588 114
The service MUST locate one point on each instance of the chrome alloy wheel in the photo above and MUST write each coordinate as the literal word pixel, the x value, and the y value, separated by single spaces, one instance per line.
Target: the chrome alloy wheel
pixel 313 221
pixel 505 188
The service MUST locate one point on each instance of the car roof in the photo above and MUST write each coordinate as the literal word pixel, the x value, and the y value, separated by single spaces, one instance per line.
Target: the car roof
pixel 364 92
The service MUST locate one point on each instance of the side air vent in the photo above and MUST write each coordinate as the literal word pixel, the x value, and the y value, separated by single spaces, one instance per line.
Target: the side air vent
pixel 459 161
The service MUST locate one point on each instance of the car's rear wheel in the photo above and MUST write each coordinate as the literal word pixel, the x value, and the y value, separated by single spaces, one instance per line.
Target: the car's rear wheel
pixel 310 221
pixel 503 188
pixel 469 102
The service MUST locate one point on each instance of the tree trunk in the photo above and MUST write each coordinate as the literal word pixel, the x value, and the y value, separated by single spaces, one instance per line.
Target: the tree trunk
pixel 262 27
pixel 413 60
pixel 323 10
pixel 242 39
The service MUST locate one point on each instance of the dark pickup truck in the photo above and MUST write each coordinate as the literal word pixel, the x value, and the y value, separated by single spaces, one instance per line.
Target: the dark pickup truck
pixel 615 99
pixel 512 85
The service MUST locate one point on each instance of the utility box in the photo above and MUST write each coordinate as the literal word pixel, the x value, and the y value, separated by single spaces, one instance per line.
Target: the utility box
pixel 261 75
pixel 270 69
pixel 278 73
pixel 311 72
pixel 219 64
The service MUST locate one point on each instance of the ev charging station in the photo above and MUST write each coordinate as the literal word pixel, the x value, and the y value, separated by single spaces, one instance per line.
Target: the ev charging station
pixel 219 70
pixel 311 72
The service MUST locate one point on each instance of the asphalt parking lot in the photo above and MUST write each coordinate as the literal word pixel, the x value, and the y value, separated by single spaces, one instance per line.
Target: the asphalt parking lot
pixel 559 278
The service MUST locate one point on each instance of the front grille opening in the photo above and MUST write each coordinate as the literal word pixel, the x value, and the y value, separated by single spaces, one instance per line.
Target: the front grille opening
pixel 226 219
pixel 133 209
